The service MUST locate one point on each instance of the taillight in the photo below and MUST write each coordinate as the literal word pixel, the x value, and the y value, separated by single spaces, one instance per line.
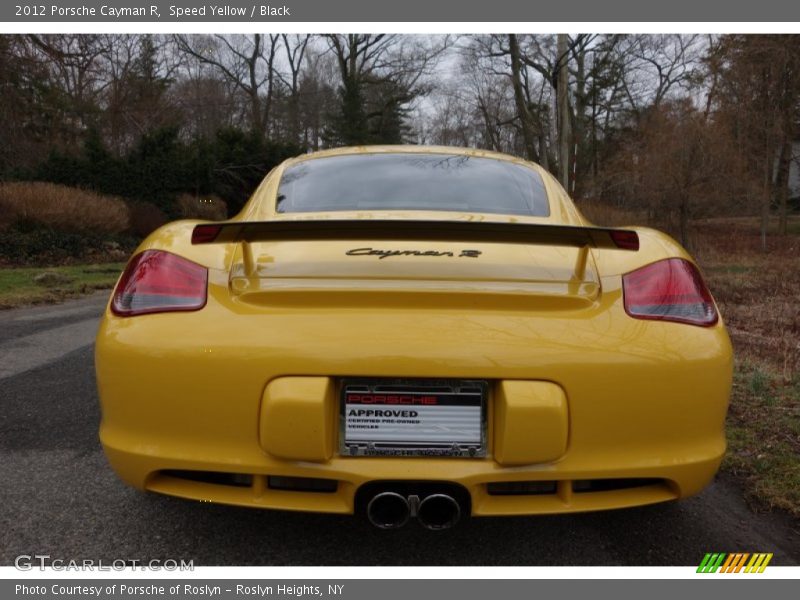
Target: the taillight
pixel 157 281
pixel 669 290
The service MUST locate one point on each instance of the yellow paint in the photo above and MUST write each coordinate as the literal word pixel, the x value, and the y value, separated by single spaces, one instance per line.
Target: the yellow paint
pixel 298 418
pixel 185 390
pixel 530 422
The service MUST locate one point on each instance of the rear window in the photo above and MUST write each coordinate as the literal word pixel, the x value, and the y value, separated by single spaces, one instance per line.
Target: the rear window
pixel 412 182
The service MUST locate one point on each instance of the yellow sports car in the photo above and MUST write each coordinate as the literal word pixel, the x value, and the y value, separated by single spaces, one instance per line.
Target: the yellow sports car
pixel 413 333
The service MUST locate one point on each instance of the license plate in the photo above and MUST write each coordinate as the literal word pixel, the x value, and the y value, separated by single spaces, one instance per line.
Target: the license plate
pixel 413 417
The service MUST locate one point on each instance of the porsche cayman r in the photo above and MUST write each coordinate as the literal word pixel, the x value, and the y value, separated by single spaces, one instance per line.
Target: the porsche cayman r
pixel 413 332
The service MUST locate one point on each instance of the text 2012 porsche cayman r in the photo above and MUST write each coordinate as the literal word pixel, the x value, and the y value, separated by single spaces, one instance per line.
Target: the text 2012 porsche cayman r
pixel 413 332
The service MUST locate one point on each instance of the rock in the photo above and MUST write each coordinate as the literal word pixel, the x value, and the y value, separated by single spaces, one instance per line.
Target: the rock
pixel 52 278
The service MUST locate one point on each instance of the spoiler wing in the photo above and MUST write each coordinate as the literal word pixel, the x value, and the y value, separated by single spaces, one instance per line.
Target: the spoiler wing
pixel 409 230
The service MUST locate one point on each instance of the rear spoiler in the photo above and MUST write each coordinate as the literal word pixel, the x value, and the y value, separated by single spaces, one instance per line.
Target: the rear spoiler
pixel 407 230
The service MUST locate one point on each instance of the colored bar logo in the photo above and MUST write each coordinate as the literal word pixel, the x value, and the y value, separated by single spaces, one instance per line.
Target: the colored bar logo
pixel 735 562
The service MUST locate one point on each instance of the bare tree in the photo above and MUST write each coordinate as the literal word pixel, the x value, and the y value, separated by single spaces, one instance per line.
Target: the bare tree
pixel 656 66
pixel 295 49
pixel 247 62
pixel 380 76
pixel 138 72
pixel 75 65
pixel 317 94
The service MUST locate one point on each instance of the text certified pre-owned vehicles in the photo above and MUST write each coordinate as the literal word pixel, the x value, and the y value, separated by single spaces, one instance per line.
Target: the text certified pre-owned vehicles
pixel 413 332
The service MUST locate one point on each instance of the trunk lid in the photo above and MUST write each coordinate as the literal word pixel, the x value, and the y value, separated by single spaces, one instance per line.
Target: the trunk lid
pixel 433 263
pixel 386 272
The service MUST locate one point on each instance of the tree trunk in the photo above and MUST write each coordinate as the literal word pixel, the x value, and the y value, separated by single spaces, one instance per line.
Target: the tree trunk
pixel 594 168
pixel 528 134
pixel 782 184
pixel 766 198
pixel 684 222
pixel 579 116
pixel 563 111
pixel 545 160
pixel 255 101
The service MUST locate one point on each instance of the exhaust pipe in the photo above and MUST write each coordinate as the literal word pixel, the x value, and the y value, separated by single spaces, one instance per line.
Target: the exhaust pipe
pixel 388 510
pixel 438 511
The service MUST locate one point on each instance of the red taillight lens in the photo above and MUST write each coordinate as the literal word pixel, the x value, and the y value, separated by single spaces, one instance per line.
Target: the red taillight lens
pixel 157 281
pixel 669 290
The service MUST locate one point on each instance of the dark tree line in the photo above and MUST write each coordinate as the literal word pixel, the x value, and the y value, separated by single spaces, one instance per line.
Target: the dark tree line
pixel 150 117
pixel 679 125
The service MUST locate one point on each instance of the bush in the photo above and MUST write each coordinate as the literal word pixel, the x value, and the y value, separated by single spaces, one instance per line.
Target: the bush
pixel 146 218
pixel 31 205
pixel 48 246
pixel 209 207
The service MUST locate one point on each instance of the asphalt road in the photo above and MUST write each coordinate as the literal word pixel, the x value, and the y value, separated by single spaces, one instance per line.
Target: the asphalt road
pixel 59 497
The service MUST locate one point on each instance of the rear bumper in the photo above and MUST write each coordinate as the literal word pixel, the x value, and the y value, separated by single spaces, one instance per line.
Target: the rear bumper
pixel 647 485
pixel 644 400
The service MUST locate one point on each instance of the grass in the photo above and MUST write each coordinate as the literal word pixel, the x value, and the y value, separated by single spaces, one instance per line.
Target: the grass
pixel 764 437
pixel 732 269
pixel 758 293
pixel 19 287
pixel 793 227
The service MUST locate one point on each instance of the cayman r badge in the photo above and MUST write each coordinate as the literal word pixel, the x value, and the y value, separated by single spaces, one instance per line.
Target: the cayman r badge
pixel 381 254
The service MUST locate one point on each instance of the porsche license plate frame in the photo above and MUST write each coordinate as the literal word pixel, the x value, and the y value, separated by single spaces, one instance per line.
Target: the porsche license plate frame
pixel 413 417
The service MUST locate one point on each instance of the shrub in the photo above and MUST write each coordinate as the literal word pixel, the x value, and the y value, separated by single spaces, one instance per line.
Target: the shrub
pixel 208 207
pixel 37 204
pixel 45 246
pixel 145 218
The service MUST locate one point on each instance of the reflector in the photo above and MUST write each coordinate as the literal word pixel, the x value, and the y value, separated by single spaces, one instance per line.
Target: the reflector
pixel 205 234
pixel 625 240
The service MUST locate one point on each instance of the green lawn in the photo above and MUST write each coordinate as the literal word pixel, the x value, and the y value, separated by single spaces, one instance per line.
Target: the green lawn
pixel 18 286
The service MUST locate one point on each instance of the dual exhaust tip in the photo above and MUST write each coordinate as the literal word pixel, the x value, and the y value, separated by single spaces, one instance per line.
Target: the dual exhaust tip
pixel 390 510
